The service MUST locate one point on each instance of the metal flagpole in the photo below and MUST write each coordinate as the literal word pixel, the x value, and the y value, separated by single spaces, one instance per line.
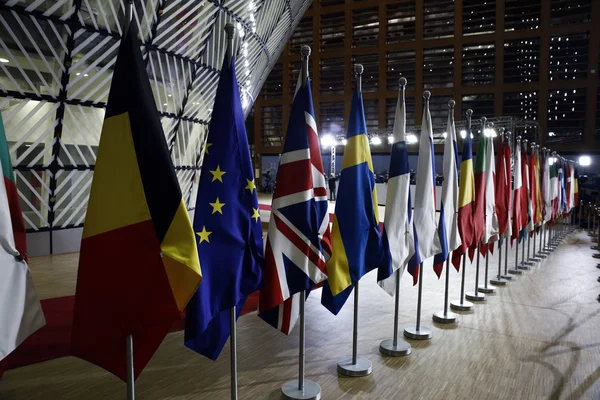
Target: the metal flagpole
pixel 515 270
pixel 129 339
pixel 462 304
pixel 354 365
pixel 526 236
pixel 499 280
pixel 395 347
pixel 475 295
pixel 487 288
pixel 302 389
pixel 446 316
pixel 130 370
pixel 418 332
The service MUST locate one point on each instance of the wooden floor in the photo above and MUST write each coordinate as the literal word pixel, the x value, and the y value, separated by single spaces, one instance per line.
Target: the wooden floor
pixel 538 338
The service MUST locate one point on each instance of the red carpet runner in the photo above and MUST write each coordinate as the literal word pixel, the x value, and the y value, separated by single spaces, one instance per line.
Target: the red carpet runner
pixel 54 339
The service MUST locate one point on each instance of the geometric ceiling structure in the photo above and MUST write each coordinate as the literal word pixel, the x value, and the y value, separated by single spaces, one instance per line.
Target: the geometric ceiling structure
pixel 56 63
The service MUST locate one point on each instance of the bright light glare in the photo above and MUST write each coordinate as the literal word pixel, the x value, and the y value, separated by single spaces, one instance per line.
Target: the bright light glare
pixel 391 139
pixel 489 132
pixel 344 142
pixel 3 60
pixel 551 134
pixel 411 138
pixel 328 141
pixel 445 135
pixel 551 160
pixel 463 134
pixel 584 161
pixel 376 140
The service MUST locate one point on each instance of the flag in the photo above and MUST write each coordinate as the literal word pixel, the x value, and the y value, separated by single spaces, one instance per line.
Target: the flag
pixel 227 224
pixel 298 241
pixel 398 225
pixel 480 198
pixel 427 240
pixel 547 189
pixel 537 188
pixel 14 207
pixel 491 218
pixel 554 190
pixel 20 310
pixel 527 162
pixel 570 193
pixel 356 239
pixel 466 199
pixel 502 188
pixel 519 219
pixel 138 264
pixel 448 223
pixel 575 188
pixel 562 182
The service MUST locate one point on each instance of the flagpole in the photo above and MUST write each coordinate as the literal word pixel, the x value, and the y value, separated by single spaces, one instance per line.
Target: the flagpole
pixel 526 265
pixel 395 347
pixel 462 304
pixel 499 280
pixel 353 365
pixel 301 389
pixel 446 316
pixel 507 277
pixel 130 368
pixel 533 258
pixel 515 270
pixel 475 295
pixel 418 332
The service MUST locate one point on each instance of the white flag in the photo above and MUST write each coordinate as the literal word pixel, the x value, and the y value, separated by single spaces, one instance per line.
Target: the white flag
pixel 398 228
pixel 491 218
pixel 427 239
pixel 20 310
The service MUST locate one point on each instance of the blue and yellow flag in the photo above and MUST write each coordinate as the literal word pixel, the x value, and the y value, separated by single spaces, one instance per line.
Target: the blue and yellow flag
pixel 227 224
pixel 356 235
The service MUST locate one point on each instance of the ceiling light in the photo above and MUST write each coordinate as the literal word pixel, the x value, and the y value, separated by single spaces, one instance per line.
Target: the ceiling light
pixel 411 138
pixel 463 134
pixel 376 140
pixel 391 139
pixel 344 142
pixel 3 60
pixel 584 161
pixel 328 141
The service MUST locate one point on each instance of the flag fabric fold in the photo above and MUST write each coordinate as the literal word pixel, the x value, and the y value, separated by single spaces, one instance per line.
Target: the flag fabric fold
pixel 227 224
pixel 427 240
pixel 298 241
pixel 479 221
pixel 398 224
pixel 519 197
pixel 356 238
pixel 491 217
pixel 20 310
pixel 138 264
pixel 503 187
pixel 527 181
pixel 466 200
pixel 448 222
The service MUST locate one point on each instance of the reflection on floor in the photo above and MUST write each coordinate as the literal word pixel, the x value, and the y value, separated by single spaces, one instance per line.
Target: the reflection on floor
pixel 536 338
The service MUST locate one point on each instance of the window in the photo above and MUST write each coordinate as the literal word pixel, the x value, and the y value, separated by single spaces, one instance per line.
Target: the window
pixel 438 19
pixel 272 89
pixel 365 27
pixel 478 64
pixel 438 67
pixel 400 22
pixel 479 17
pixel 566 112
pixel 521 60
pixel 272 121
pixel 390 112
pixel 521 15
pixel 569 56
pixel 400 63
pixel 332 31
pixel 303 34
pixel 332 118
pixel 370 77
pixel 565 12
pixel 332 75
pixel 482 106
pixel 523 105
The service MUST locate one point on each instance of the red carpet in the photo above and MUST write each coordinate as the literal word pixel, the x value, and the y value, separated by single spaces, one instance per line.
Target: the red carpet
pixel 54 339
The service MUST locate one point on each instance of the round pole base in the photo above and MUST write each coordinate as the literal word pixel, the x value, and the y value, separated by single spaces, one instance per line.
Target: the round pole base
pixel 363 366
pixel 479 297
pixel 499 281
pixel 488 290
pixel 528 263
pixel 445 318
pixel 311 391
pixel 507 277
pixel 535 259
pixel 598 266
pixel 595 247
pixel 422 334
pixel 523 267
pixel 541 255
pixel 463 305
pixel 401 348
pixel 515 272
pixel 596 255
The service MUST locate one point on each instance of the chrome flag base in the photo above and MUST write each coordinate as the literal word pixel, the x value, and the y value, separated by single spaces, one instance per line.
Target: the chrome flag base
pixel 463 305
pixel 363 366
pixel 422 333
pixel 498 281
pixel 488 289
pixel 388 348
pixel 507 277
pixel 290 390
pixel 515 272
pixel 480 297
pixel 445 318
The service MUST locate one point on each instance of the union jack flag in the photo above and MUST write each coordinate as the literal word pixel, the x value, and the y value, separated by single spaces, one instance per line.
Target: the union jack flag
pixel 298 240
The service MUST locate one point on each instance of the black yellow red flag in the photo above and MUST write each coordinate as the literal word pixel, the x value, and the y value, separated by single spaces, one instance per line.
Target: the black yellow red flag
pixel 138 265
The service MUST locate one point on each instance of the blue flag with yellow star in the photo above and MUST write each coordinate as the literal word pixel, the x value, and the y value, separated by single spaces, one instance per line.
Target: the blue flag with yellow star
pixel 227 224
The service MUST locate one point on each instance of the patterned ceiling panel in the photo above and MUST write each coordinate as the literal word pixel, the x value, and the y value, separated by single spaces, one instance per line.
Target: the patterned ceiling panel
pixel 56 64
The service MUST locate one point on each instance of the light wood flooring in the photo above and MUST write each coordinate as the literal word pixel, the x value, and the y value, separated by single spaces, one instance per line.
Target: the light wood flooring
pixel 538 338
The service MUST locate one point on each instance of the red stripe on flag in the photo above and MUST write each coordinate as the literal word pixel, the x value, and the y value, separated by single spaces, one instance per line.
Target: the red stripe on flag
pixel 299 243
pixel 301 178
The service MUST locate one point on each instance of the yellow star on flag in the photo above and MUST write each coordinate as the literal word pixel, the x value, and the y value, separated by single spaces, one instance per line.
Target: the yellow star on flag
pixel 217 206
pixel 206 147
pixel 256 214
pixel 204 235
pixel 251 186
pixel 217 174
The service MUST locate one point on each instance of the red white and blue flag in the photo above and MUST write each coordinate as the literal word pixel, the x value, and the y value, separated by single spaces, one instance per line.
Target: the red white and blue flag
pixel 298 240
